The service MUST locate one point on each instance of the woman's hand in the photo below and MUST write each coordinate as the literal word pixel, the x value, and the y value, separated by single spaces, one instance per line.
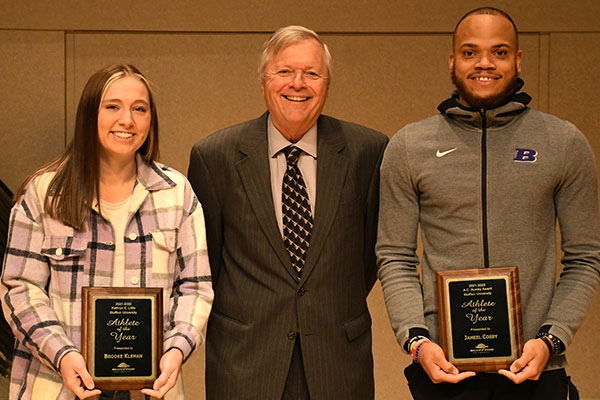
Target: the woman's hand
pixel 170 365
pixel 76 376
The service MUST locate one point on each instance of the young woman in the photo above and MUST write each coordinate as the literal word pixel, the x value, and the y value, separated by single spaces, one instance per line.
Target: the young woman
pixel 103 213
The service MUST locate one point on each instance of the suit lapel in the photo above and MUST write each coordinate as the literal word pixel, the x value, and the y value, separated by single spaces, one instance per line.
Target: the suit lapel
pixel 332 166
pixel 255 176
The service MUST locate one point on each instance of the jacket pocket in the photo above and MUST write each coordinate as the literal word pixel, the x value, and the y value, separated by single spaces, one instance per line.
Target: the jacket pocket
pixel 357 326
pixel 66 255
pixel 61 248
pixel 163 245
pixel 228 326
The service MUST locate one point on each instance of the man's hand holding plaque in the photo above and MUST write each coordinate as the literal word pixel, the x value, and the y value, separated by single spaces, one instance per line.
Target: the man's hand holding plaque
pixel 437 367
pixel 530 365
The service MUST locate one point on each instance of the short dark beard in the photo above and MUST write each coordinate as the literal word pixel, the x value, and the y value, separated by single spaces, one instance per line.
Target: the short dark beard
pixel 486 103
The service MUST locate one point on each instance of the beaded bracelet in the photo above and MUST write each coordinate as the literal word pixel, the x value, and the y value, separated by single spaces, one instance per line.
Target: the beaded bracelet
pixel 417 348
pixel 556 342
pixel 548 344
pixel 555 347
pixel 411 343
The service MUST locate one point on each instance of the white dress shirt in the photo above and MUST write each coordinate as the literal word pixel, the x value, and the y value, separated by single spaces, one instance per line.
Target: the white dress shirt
pixel 307 162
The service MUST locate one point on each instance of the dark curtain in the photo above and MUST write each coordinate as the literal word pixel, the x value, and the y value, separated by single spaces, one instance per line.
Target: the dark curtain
pixel 6 337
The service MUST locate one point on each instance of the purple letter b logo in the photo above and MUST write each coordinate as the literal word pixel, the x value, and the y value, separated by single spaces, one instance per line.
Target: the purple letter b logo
pixel 525 155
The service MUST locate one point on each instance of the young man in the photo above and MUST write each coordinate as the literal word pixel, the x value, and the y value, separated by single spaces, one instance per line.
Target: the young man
pixel 486 180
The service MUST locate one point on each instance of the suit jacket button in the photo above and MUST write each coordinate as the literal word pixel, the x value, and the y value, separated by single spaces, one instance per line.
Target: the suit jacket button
pixel 301 292
pixel 291 335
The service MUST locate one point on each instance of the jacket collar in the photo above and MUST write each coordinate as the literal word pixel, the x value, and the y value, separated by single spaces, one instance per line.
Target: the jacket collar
pixel 328 132
pixel 150 178
pixel 496 117
pixel 151 175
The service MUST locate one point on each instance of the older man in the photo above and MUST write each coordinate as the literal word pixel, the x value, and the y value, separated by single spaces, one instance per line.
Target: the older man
pixel 290 201
pixel 486 180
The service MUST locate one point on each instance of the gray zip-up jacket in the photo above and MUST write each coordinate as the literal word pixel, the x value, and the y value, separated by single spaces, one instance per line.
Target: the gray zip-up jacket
pixel 486 189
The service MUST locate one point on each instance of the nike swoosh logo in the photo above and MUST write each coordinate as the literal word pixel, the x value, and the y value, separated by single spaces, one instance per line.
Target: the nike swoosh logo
pixel 439 154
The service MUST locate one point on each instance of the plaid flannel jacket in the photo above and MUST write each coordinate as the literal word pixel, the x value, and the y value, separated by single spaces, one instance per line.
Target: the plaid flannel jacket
pixel 47 263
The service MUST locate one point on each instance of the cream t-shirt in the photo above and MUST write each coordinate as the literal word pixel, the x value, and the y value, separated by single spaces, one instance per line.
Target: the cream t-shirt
pixel 116 214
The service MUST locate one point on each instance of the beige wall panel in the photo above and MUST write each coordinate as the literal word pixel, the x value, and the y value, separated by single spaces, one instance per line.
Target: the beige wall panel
pixel 584 353
pixel 388 358
pixel 574 93
pixel 265 16
pixel 387 81
pixel 574 60
pixel 193 375
pixel 32 102
pixel 544 65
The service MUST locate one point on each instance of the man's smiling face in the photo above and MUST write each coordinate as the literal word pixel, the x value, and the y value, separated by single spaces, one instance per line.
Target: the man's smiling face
pixel 485 62
pixel 295 87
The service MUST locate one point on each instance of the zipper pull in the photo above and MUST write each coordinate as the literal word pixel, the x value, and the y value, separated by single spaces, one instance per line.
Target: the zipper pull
pixel 483 118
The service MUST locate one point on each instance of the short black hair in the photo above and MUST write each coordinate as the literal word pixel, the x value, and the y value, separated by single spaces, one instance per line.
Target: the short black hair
pixel 486 11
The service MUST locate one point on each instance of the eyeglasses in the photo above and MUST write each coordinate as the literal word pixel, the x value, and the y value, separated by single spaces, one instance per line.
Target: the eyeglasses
pixel 288 74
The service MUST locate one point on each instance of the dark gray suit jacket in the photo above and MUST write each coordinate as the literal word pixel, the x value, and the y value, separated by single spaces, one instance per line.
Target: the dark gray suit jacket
pixel 259 304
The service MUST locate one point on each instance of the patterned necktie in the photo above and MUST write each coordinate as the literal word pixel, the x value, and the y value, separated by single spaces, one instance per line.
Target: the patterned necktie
pixel 297 218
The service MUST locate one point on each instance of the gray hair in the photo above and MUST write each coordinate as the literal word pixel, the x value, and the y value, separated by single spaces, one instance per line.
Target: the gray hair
pixel 284 37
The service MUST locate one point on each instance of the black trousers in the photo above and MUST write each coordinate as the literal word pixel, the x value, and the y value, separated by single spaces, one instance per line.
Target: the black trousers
pixel 552 385
pixel 114 395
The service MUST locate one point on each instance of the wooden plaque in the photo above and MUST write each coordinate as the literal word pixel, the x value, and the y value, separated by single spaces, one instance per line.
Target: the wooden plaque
pixel 479 314
pixel 121 336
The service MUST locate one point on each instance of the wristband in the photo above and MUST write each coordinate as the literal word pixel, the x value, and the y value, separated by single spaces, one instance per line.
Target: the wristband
pixel 548 344
pixel 411 343
pixel 416 349
pixel 551 341
pixel 412 335
pixel 558 346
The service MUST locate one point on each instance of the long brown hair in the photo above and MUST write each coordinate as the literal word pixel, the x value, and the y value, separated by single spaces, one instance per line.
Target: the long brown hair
pixel 75 187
